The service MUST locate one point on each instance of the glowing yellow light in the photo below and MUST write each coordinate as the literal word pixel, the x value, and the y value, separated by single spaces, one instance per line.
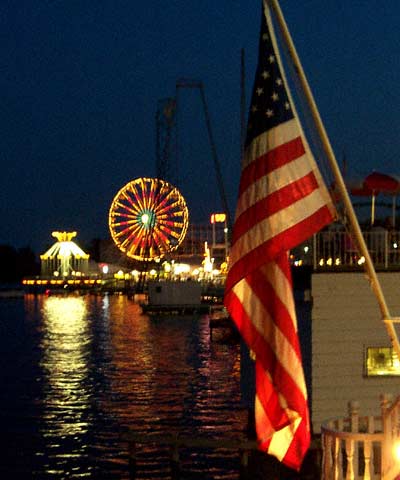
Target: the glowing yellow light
pixel 167 267
pixel 145 218
pixel 396 450
pixel 181 268
pixel 306 249
pixel 119 274
pixel 337 261
pixel 218 218
pixel 361 261
pixel 329 262
pixel 135 274
pixel 321 262
pixel 64 236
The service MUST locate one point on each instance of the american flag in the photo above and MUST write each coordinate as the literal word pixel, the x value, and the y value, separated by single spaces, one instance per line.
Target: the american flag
pixel 282 201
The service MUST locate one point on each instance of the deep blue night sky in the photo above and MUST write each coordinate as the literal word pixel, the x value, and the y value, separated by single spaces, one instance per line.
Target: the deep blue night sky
pixel 80 81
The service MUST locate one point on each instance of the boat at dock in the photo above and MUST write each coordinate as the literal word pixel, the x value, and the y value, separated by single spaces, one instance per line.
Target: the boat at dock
pixel 179 297
pixel 222 327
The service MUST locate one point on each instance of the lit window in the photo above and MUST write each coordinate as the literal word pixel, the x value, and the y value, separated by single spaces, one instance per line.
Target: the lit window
pixel 382 361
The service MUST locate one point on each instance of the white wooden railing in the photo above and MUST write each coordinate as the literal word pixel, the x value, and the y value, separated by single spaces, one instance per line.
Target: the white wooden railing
pixel 333 248
pixel 361 448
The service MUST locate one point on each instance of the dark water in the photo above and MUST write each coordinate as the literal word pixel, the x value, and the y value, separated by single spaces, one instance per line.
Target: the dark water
pixel 77 371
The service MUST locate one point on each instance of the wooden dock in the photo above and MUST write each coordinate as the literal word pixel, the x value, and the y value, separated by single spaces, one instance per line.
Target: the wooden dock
pixel 175 443
pixel 253 464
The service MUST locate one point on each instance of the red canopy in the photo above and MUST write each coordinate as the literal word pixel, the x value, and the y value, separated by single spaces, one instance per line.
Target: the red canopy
pixel 372 185
pixel 378 182
pixel 358 188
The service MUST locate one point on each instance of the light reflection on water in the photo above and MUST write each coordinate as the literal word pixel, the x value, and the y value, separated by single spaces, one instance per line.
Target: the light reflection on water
pixel 65 345
pixel 95 366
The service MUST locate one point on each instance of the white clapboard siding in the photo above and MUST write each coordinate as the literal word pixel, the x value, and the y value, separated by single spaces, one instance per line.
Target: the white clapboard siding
pixel 345 321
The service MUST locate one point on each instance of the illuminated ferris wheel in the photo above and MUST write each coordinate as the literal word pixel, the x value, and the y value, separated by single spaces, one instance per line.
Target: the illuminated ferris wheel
pixel 148 218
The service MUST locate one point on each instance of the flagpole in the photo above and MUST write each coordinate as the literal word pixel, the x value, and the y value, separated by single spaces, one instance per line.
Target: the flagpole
pixel 369 267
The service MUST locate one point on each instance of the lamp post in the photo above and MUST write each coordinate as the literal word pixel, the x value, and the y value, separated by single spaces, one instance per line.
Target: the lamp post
pixel 214 219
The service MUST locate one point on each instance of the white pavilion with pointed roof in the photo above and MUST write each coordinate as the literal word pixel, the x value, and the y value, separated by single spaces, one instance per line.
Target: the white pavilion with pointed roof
pixel 65 258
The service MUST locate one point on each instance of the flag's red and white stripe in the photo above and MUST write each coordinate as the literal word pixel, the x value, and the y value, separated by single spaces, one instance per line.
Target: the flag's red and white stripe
pixel 282 201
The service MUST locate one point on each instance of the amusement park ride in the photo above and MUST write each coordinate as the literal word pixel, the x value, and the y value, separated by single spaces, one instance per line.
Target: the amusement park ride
pixel 148 217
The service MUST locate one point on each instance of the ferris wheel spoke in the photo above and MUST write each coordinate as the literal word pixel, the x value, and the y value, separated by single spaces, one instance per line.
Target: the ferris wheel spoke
pixel 168 211
pixel 165 203
pixel 130 204
pixel 133 231
pixel 128 236
pixel 169 227
pixel 176 205
pixel 154 201
pixel 170 232
pixel 121 223
pixel 165 230
pixel 122 206
pixel 155 246
pixel 122 232
pixel 122 210
pixel 124 214
pixel 144 248
pixel 162 239
pixel 134 236
pixel 171 224
pixel 155 192
pixel 140 205
pixel 146 188
pixel 125 241
pixel 163 199
pixel 134 245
